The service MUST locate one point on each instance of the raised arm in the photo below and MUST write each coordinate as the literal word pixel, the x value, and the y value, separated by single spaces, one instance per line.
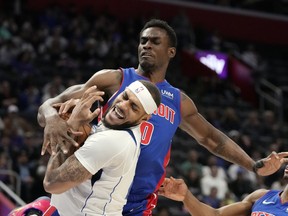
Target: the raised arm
pixel 220 144
pixel 177 190
pixel 64 171
pixel 55 131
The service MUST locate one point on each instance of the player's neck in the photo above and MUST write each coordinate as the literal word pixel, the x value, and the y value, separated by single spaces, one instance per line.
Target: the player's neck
pixel 153 76
pixel 284 195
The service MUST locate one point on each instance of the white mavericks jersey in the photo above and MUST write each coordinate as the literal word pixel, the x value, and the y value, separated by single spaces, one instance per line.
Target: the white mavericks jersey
pixel 111 157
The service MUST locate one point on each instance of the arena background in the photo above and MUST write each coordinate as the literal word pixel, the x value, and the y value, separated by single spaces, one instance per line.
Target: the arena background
pixel 46 46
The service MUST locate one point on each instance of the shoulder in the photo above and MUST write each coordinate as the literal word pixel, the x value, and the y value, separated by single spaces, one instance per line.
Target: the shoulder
pixel 188 107
pixel 108 80
pixel 114 137
pixel 254 196
pixel 116 73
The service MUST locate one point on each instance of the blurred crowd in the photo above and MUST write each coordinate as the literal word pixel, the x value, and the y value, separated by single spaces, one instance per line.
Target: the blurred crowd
pixel 267 6
pixel 41 54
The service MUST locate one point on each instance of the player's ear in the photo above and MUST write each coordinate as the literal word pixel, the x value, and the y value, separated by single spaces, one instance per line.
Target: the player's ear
pixel 172 52
pixel 146 117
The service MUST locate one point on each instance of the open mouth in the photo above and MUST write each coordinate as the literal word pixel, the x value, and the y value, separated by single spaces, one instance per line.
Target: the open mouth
pixel 118 113
pixel 146 54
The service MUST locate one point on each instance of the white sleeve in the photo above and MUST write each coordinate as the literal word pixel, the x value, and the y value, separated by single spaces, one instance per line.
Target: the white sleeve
pixel 100 149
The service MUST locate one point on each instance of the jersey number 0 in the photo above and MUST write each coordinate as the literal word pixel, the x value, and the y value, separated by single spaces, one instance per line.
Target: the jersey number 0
pixel 146 130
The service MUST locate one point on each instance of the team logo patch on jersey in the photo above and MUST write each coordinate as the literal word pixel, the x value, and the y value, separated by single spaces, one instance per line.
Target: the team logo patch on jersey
pixel 167 94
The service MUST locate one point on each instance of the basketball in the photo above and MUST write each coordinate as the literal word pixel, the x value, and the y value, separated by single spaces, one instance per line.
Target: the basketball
pixel 85 129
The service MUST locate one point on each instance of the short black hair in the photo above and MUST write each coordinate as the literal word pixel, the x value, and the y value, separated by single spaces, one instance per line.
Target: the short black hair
pixel 154 91
pixel 165 26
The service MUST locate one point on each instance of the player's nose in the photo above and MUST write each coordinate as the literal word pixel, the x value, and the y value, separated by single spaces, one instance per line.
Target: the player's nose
pixel 124 105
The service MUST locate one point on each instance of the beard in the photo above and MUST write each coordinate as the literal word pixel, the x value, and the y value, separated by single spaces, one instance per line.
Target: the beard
pixel 117 127
pixel 146 66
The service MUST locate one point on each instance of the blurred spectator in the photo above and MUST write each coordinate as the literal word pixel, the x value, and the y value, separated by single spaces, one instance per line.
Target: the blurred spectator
pixel 214 41
pixel 214 180
pixel 29 100
pixel 230 120
pixel 6 146
pixel 23 168
pixel 56 44
pixel 228 199
pixel 213 161
pixel 193 181
pixel 192 162
pixel 252 125
pixel 8 51
pixel 163 211
pixel 233 172
pixel 6 165
pixel 241 185
pixel 212 116
pixel 244 141
pixel 53 88
pixel 212 199
pixel 269 124
pixel 14 123
pixel 279 184
pixel 23 65
pixel 184 31
pixel 1 125
pixel 8 95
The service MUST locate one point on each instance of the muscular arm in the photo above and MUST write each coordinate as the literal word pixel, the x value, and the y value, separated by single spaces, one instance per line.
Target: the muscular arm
pixel 210 137
pixel 243 208
pixel 55 131
pixel 221 145
pixel 106 80
pixel 63 173
pixel 177 190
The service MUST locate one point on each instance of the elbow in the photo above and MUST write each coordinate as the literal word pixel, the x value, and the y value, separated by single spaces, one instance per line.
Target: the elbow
pixel 49 187
pixel 40 120
pixel 207 143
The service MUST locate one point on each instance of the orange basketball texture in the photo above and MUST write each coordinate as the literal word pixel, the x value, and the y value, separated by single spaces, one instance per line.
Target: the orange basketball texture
pixel 85 129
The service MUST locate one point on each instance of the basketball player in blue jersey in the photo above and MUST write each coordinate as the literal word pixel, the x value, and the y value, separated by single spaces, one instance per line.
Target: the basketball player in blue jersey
pixel 156 48
pixel 261 202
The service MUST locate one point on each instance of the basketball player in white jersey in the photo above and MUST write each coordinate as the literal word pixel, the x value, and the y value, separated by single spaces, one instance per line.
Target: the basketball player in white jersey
pixel 95 179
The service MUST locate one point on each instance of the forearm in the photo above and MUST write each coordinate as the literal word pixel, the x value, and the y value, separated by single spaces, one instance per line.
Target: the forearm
pixel 224 147
pixel 64 172
pixel 53 165
pixel 197 208
pixel 46 110
pixel 53 180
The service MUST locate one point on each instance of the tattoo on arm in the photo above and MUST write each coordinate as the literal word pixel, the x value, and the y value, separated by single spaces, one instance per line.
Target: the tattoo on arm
pixel 74 171
pixel 70 171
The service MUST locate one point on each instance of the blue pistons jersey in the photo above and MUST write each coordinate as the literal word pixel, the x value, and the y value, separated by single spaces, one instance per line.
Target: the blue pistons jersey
pixel 156 140
pixel 270 205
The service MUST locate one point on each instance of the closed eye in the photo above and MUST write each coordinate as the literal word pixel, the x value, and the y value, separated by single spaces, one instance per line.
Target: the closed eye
pixel 135 107
pixel 153 40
